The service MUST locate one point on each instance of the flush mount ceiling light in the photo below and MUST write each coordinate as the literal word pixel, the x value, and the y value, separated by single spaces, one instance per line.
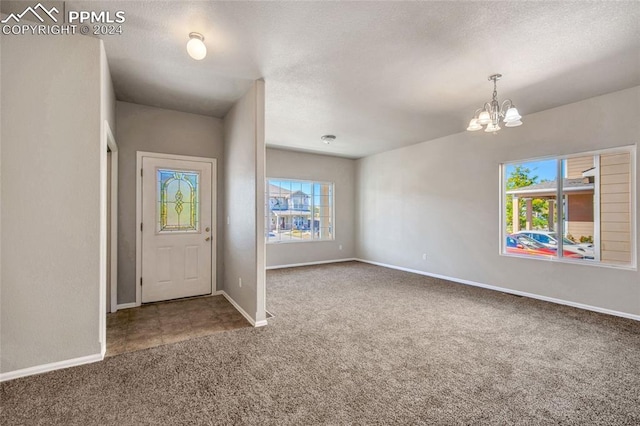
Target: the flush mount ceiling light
pixel 491 113
pixel 195 47
pixel 328 139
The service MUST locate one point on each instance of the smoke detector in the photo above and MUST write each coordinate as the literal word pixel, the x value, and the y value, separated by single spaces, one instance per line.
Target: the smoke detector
pixel 328 139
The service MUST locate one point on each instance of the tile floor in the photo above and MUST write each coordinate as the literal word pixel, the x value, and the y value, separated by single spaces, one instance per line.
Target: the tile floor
pixel 170 322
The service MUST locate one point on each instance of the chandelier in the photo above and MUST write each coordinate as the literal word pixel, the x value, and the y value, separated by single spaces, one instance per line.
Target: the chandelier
pixel 491 113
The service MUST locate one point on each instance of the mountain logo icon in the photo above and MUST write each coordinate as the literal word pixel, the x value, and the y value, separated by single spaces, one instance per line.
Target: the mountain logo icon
pixel 34 11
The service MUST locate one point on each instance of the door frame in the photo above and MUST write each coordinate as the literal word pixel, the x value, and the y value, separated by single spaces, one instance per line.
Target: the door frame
pixel 113 147
pixel 107 142
pixel 214 177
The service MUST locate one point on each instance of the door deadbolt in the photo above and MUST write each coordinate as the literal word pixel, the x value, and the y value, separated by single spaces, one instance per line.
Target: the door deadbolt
pixel 207 229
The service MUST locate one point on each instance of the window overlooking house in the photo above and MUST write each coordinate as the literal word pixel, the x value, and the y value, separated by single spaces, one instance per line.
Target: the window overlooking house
pixel 298 211
pixel 577 208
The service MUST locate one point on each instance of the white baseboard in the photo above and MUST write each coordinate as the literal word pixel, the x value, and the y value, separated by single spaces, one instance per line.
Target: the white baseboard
pixel 320 262
pixel 126 305
pixel 243 312
pixel 509 291
pixel 44 368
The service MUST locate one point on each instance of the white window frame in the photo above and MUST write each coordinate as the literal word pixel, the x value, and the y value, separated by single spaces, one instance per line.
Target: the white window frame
pixel 308 181
pixel 629 149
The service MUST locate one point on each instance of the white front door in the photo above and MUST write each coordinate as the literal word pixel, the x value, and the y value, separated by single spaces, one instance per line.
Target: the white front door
pixel 177 228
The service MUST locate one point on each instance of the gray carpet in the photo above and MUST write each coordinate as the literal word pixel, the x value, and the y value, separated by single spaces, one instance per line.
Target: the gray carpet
pixel 358 344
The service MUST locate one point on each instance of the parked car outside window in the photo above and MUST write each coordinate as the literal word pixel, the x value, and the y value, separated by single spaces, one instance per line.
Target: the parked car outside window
pixel 526 245
pixel 518 245
pixel 550 239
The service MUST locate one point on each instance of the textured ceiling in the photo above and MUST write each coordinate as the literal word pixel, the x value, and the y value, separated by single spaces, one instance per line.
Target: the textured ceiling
pixel 378 75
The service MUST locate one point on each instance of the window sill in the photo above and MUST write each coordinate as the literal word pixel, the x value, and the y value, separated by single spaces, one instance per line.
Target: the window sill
pixel 580 262
pixel 301 241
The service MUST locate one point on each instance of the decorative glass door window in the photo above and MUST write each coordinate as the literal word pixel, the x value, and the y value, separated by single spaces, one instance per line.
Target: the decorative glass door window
pixel 178 201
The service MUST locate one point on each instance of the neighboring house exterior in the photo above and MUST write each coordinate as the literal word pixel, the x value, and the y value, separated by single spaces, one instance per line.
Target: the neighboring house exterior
pixel 578 208
pixel 597 203
pixel 288 210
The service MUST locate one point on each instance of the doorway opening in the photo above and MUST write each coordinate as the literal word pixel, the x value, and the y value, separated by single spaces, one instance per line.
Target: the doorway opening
pixel 108 230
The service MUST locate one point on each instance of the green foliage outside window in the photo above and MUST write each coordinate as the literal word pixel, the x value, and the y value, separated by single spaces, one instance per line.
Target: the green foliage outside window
pixel 522 177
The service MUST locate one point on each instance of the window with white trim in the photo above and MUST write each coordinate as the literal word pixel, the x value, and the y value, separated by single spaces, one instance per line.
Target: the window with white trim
pixel 576 208
pixel 298 210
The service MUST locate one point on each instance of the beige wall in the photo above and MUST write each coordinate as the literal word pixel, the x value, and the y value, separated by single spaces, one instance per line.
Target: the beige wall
pixel 340 171
pixel 580 229
pixel 51 221
pixel 441 198
pixel 108 99
pixel 580 206
pixel 244 202
pixel 144 128
pixel 577 165
pixel 615 208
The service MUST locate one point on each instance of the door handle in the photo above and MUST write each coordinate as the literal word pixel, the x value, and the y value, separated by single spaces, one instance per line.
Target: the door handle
pixel 207 239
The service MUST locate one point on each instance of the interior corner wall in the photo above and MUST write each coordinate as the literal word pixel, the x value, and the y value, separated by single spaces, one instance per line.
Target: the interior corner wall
pixel 244 201
pixel 51 100
pixel 441 198
pixel 323 168
pixel 107 120
pixel 145 128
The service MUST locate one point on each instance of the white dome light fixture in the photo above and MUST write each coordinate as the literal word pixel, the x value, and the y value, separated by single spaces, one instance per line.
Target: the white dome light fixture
pixel 328 139
pixel 196 47
pixel 491 113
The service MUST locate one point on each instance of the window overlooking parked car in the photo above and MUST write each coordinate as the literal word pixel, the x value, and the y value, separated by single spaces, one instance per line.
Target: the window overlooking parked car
pixel 298 211
pixel 587 199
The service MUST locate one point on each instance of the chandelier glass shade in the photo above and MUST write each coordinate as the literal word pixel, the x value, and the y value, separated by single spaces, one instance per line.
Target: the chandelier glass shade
pixel 493 112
